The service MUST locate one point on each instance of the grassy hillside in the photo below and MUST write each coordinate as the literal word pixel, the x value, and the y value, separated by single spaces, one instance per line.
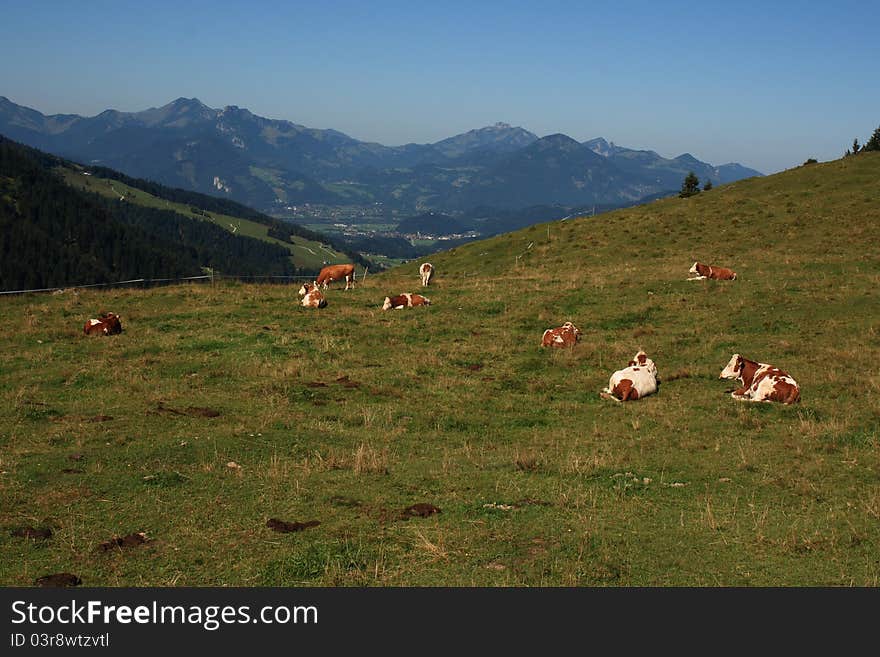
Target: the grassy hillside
pixel 348 415
pixel 305 253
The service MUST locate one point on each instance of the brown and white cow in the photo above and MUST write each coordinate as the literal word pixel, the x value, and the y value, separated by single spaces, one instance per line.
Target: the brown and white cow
pixel 106 324
pixel 426 271
pixel 312 296
pixel 710 271
pixel 405 300
pixel 566 335
pixel 332 273
pixel 638 379
pixel 760 381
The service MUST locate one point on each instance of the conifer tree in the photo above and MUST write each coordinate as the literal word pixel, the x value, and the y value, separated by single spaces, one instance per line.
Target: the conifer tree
pixel 873 144
pixel 690 186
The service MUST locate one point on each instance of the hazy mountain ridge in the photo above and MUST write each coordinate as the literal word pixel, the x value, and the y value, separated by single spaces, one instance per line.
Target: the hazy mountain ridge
pixel 665 172
pixel 268 163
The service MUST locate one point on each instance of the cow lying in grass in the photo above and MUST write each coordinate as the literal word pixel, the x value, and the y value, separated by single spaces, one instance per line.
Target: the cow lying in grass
pixel 639 379
pixel 312 296
pixel 566 335
pixel 703 272
pixel 405 300
pixel 760 382
pixel 106 324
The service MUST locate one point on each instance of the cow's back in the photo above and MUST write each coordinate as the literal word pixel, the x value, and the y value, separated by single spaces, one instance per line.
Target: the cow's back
pixel 772 384
pixel 632 383
pixel 335 273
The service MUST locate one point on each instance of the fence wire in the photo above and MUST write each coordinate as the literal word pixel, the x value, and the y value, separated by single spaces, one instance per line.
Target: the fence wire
pixel 147 282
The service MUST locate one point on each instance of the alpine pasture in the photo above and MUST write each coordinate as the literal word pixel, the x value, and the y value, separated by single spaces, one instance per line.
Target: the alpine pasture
pixel 221 408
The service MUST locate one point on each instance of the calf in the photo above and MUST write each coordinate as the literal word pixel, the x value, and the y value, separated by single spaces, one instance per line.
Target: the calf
pixel 405 300
pixel 566 335
pixel 312 296
pixel 709 271
pixel 426 271
pixel 760 382
pixel 332 273
pixel 638 379
pixel 106 324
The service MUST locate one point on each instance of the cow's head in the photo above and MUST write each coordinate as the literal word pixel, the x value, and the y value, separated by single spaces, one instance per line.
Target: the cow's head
pixel 304 290
pixel 112 323
pixel 733 369
pixel 574 329
pixel 699 269
pixel 641 360
pixel 387 304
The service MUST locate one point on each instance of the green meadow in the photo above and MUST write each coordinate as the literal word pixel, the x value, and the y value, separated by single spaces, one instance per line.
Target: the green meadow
pixel 222 407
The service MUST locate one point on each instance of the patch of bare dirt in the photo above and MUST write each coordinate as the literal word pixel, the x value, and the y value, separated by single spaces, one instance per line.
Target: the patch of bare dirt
pixel 191 411
pixel 284 527
pixel 58 579
pixel 421 510
pixel 37 533
pixel 129 541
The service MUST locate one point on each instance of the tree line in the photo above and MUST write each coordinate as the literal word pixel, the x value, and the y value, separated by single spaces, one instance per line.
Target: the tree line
pixel 873 144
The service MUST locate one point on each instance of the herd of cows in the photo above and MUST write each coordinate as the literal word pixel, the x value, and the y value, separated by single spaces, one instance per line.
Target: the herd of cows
pixel 760 382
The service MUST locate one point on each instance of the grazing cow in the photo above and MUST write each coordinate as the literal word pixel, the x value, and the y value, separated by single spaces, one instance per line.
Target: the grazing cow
pixel 106 324
pixel 405 300
pixel 566 335
pixel 760 382
pixel 332 273
pixel 312 296
pixel 709 271
pixel 635 381
pixel 426 271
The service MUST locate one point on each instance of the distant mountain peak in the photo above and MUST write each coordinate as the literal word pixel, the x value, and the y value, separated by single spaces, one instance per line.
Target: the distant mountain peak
pixel 235 110
pixel 501 137
pixel 187 103
pixel 558 140
pixel 600 146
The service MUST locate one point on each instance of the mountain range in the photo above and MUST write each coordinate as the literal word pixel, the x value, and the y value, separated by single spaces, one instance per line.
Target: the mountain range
pixel 268 164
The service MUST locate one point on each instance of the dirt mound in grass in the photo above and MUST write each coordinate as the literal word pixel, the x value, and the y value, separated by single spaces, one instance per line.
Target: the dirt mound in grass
pixel 285 527
pixel 58 579
pixel 40 533
pixel 131 540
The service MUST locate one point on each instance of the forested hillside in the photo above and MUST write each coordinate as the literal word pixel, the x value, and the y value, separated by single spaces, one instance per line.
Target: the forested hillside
pixel 53 234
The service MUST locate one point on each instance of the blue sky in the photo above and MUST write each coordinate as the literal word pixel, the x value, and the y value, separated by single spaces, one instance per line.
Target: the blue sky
pixel 767 84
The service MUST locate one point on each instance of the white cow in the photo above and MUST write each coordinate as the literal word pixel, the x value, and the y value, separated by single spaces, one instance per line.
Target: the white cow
pixel 426 271
pixel 639 379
